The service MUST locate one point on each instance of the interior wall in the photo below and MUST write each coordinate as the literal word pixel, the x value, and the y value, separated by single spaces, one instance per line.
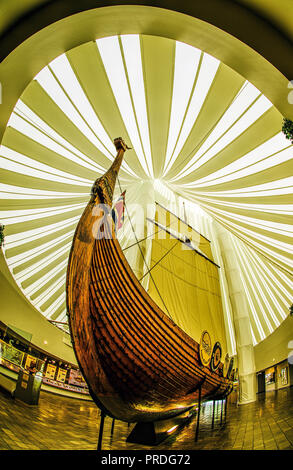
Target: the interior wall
pixel 245 56
pixel 275 348
pixel 279 384
pixel 17 311
pixel 258 23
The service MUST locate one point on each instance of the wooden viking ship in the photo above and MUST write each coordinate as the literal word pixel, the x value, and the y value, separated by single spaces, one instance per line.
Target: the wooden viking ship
pixel 138 363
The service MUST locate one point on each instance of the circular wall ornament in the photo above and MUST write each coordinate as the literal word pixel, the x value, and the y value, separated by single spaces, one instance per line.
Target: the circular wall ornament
pixel 226 365
pixel 216 356
pixel 205 348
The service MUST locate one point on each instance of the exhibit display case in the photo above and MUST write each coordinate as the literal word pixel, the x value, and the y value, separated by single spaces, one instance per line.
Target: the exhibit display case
pixel 19 356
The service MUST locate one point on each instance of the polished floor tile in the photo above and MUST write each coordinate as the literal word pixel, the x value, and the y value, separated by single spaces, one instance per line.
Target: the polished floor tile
pixel 59 423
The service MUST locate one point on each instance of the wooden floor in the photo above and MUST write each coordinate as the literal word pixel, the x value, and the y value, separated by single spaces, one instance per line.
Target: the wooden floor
pixel 63 423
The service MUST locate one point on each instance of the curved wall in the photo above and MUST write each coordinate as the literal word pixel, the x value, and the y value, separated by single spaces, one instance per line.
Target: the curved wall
pixel 257 24
pixel 17 311
pixel 197 24
pixel 275 348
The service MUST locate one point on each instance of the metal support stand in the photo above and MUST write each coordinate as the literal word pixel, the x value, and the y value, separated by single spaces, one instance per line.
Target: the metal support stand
pixel 221 412
pixel 213 418
pixel 112 427
pixel 154 432
pixel 101 430
pixel 198 414
pixel 226 406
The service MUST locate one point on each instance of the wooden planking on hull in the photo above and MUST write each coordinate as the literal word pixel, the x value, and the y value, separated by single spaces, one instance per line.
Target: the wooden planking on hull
pixel 139 365
pixel 150 340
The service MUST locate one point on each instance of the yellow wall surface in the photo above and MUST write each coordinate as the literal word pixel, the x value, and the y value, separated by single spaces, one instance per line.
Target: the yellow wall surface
pixel 17 311
pixel 275 348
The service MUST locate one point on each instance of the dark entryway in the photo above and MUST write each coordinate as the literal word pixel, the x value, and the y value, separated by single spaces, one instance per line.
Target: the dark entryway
pixel 261 382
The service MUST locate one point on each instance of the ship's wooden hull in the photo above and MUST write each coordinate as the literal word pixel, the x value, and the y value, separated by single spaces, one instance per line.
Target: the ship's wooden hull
pixel 139 365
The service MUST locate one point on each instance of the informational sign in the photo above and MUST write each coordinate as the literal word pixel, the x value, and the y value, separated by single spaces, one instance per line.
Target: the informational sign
pixel 71 388
pixel 205 348
pixel 216 356
pixel 11 354
pixel 270 376
pixel 75 378
pixel 61 375
pixel 9 365
pixel 25 377
pixel 31 361
pixel 50 371
pixel 284 376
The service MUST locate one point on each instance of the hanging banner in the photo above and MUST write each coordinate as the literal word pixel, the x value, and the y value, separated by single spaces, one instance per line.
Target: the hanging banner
pixel 118 212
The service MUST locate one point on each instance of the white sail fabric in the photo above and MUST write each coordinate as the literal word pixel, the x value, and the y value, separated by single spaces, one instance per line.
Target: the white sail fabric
pixel 186 286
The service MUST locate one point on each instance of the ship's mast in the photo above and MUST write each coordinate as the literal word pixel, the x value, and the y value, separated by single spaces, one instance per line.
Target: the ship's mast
pixel 182 240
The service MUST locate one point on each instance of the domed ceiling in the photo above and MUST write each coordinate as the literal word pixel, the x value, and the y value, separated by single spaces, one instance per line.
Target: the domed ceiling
pixel 197 129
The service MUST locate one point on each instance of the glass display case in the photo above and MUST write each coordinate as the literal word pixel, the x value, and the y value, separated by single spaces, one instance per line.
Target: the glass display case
pixel 18 355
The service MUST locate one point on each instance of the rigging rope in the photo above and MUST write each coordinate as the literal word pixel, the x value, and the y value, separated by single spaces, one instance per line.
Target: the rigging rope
pixel 143 239
pixel 159 260
pixel 143 257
